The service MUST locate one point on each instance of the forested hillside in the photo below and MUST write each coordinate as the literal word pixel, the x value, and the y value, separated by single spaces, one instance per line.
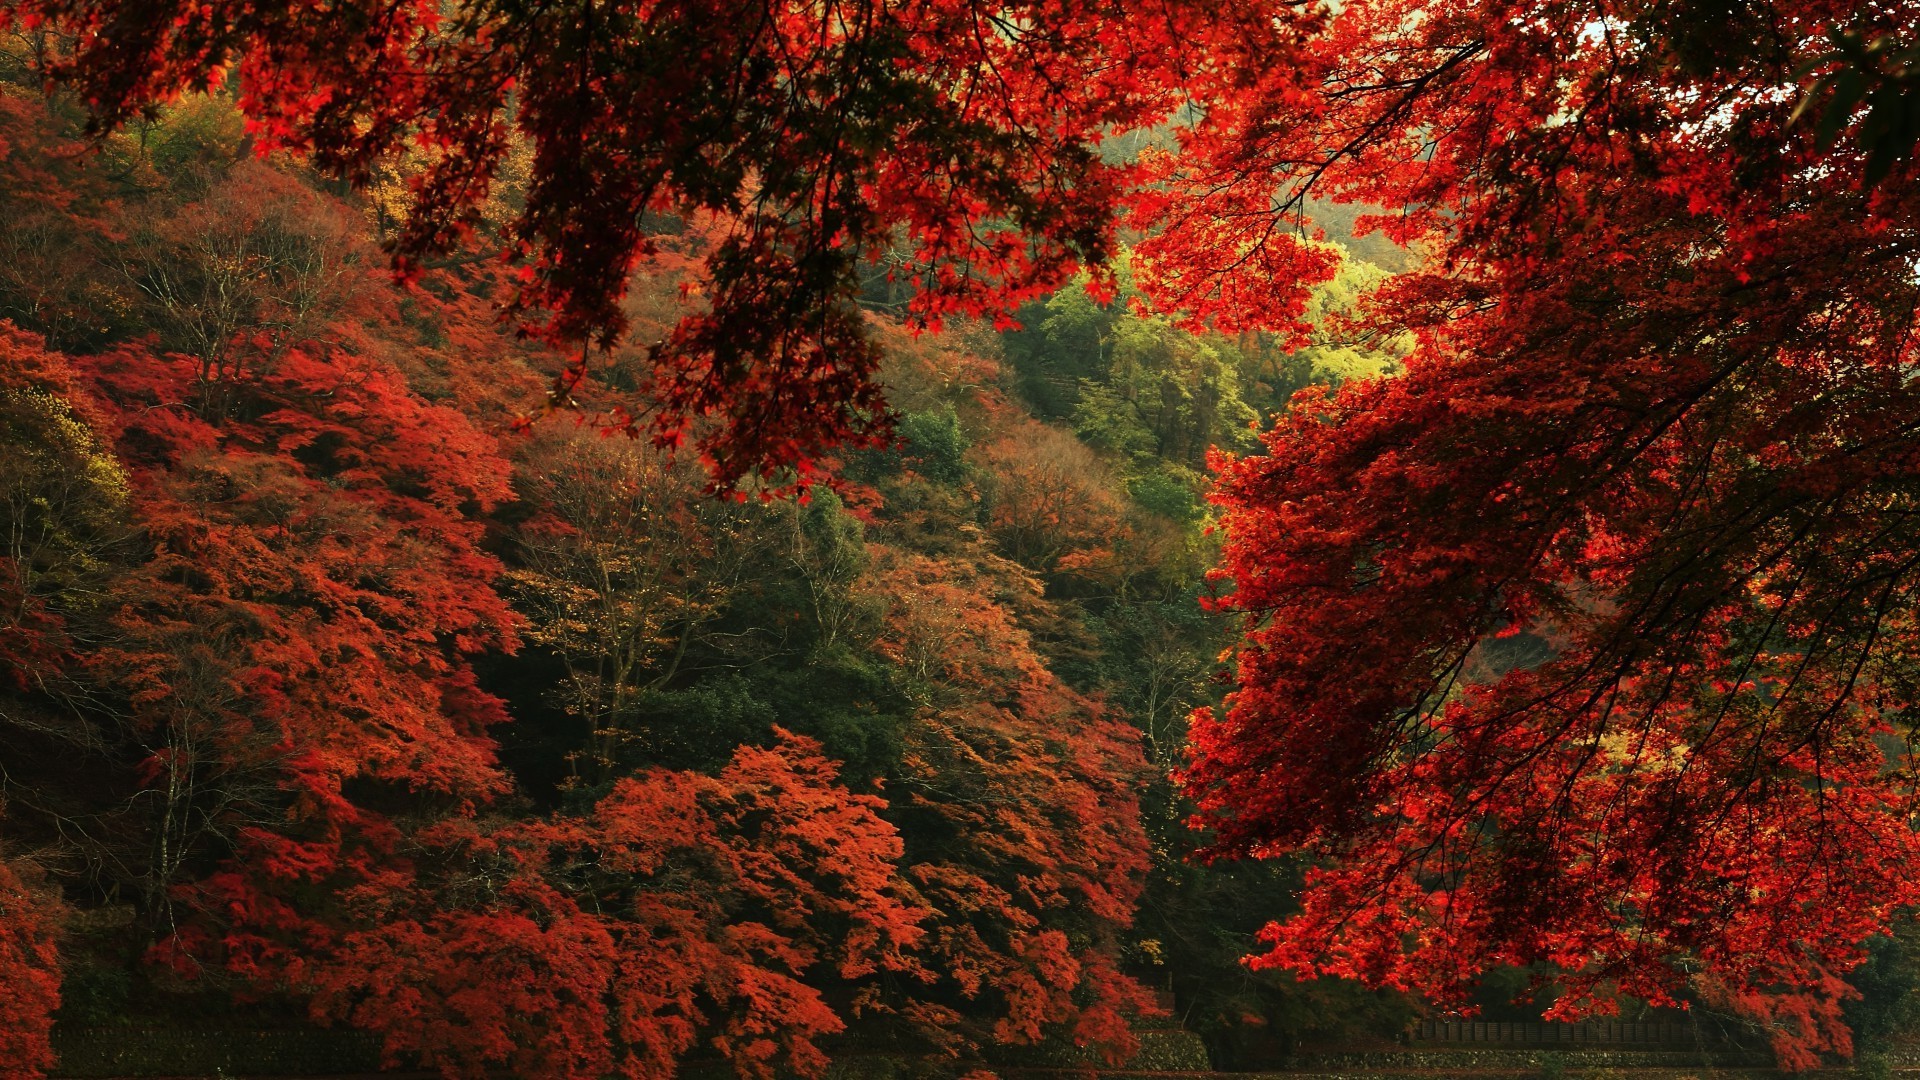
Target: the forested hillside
pixel 604 537
pixel 346 681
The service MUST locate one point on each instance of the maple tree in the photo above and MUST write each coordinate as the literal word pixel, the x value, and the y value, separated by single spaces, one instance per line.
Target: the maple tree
pixel 1588 640
pixel 239 276
pixel 282 650
pixel 679 909
pixel 29 963
pixel 1036 780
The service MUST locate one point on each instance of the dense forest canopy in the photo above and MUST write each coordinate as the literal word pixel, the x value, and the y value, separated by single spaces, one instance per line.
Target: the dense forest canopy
pixel 965 134
pixel 590 537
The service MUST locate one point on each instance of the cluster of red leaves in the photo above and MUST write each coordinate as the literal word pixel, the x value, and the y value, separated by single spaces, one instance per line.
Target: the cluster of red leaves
pixel 684 909
pixel 1041 783
pixel 969 131
pixel 1660 423
pixel 30 970
pixel 313 541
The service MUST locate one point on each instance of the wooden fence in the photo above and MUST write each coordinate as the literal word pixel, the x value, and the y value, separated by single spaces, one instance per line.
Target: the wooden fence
pixel 1535 1033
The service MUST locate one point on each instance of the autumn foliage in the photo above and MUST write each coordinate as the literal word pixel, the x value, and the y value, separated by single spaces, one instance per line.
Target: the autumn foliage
pixel 970 132
pixel 29 962
pixel 680 909
pixel 335 658
pixel 1042 781
pixel 1575 563
pixel 1587 641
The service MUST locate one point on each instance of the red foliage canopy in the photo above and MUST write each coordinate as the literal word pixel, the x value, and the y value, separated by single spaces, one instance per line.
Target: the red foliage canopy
pixel 1661 419
pixel 1591 639
pixel 968 131
pixel 684 909
pixel 30 970
pixel 1039 785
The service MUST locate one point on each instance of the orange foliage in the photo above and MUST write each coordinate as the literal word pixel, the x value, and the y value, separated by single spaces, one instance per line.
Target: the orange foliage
pixel 1050 498
pixel 30 971
pixel 682 906
pixel 1039 782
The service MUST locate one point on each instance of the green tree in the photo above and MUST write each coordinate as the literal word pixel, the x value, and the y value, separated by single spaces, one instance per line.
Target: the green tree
pixel 1334 352
pixel 1167 395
